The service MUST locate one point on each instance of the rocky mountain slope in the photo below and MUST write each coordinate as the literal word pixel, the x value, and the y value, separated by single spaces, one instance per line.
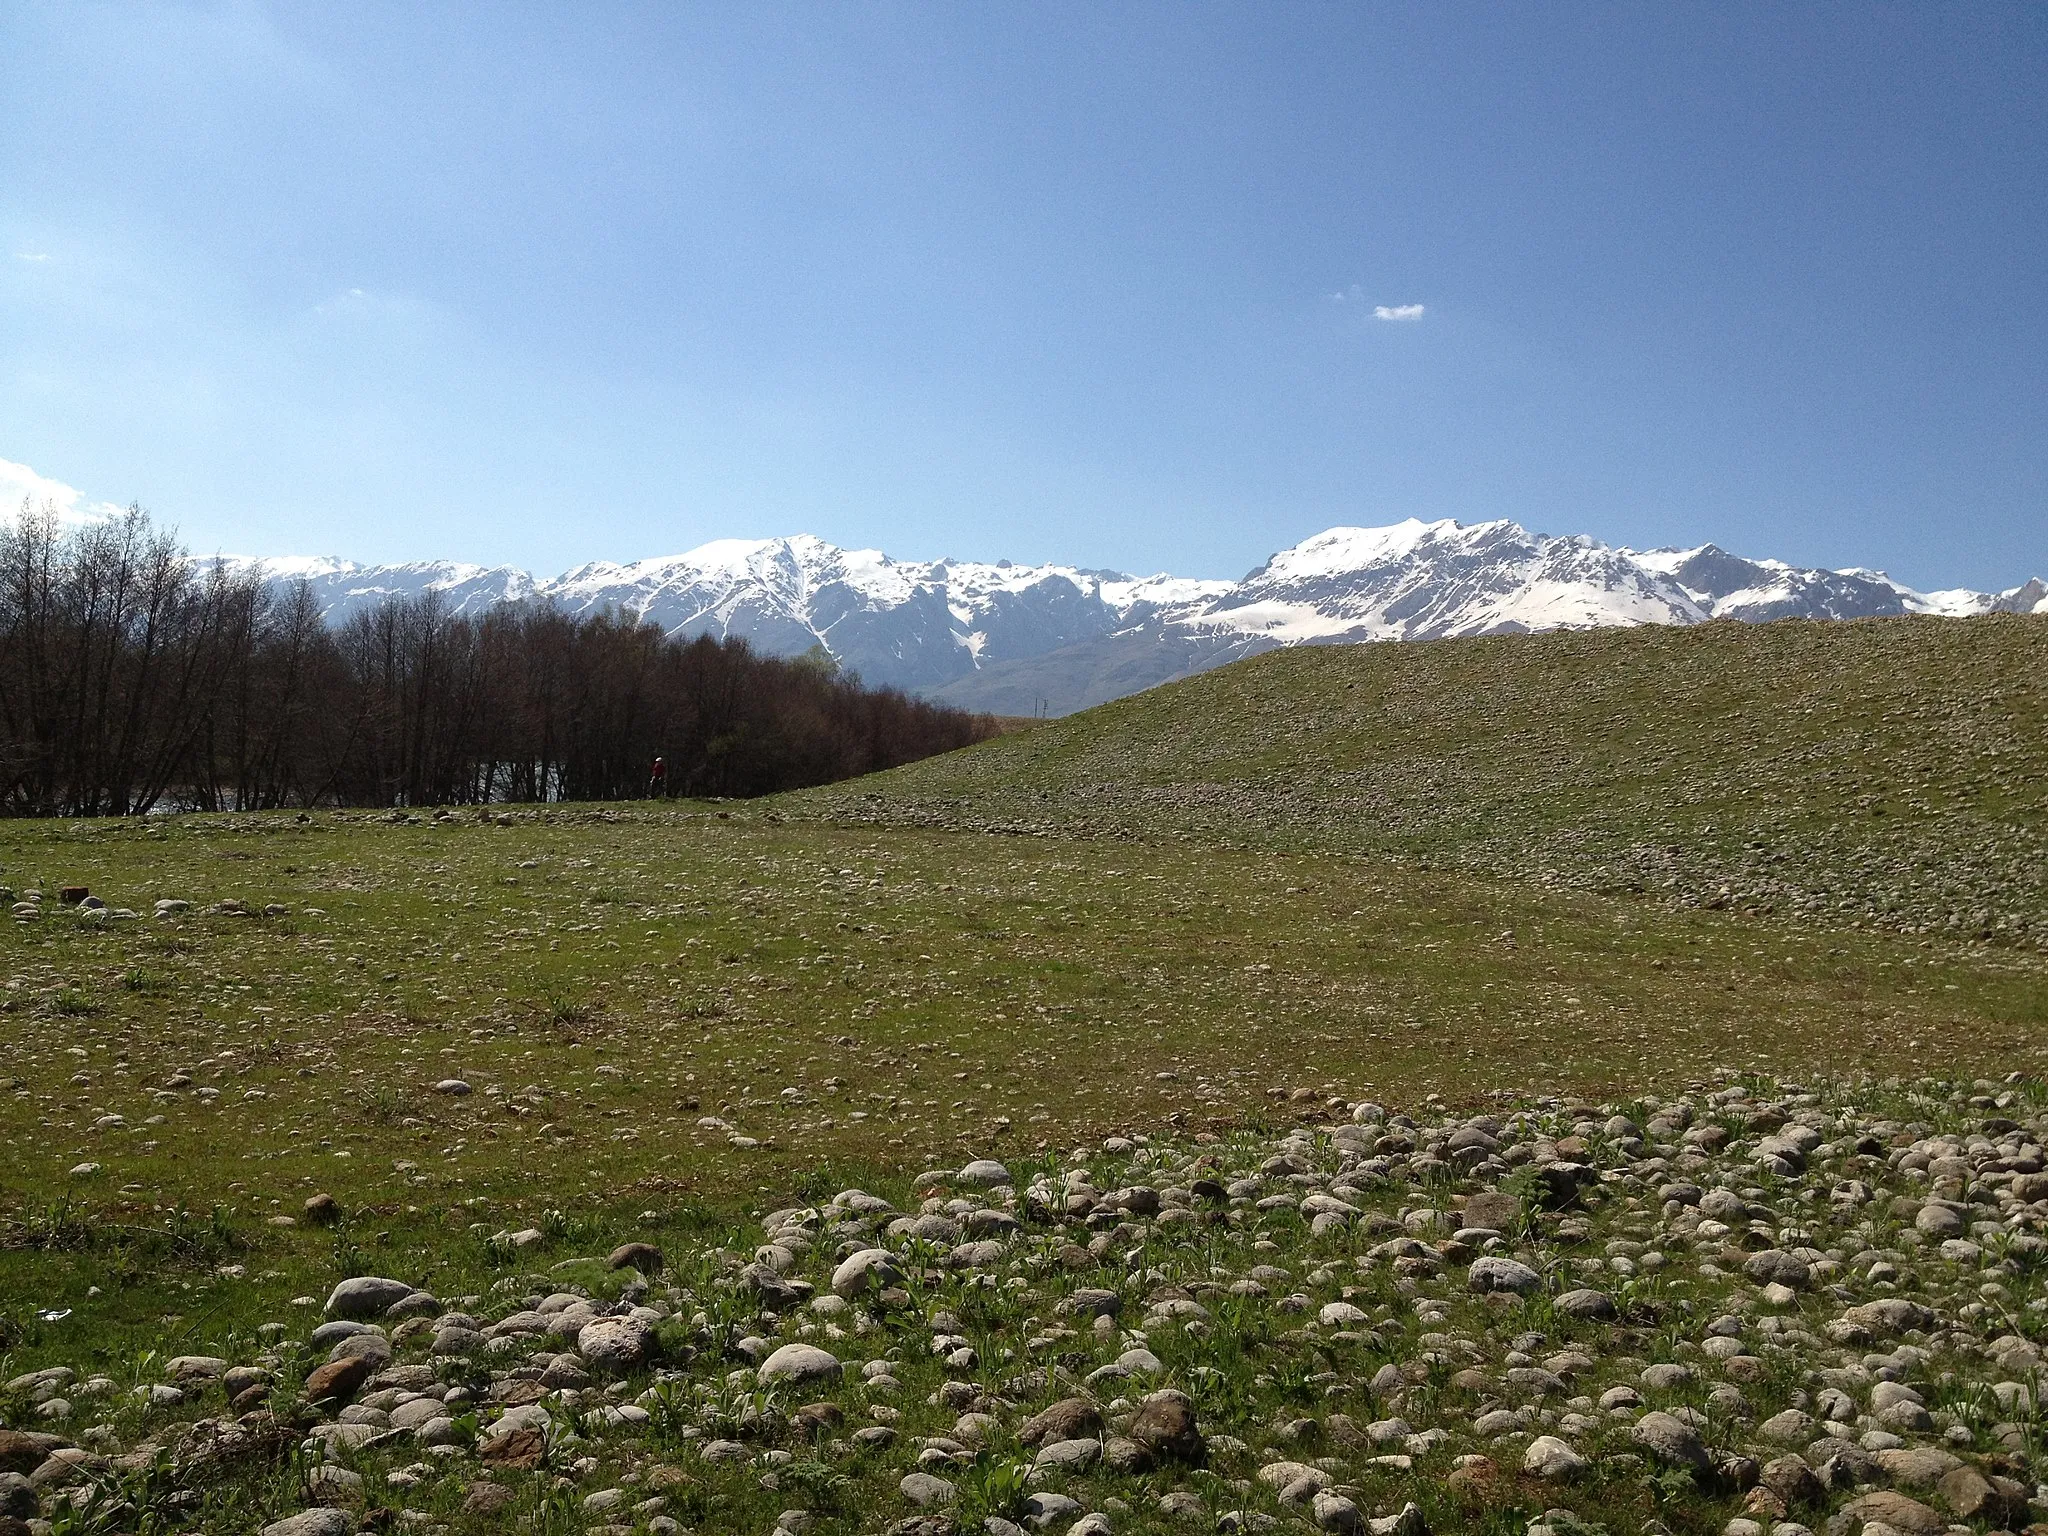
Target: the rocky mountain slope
pixel 1050 639
pixel 1879 773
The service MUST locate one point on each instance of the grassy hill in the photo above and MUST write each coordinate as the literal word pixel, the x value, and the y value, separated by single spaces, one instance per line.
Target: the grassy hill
pixel 1467 869
pixel 1890 771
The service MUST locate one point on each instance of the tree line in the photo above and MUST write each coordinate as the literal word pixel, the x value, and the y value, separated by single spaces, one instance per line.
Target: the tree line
pixel 135 679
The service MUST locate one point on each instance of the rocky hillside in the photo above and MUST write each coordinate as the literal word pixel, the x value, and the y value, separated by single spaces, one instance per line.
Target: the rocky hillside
pixel 1749 1308
pixel 1886 772
pixel 1024 640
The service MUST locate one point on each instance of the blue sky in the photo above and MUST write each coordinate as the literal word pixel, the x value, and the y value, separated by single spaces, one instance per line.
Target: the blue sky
pixel 1126 285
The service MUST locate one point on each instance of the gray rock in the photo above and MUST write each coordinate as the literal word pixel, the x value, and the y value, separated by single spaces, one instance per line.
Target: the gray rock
pixel 314 1522
pixel 1672 1440
pixel 926 1491
pixel 18 1496
pixel 1042 1508
pixel 871 1269
pixel 1588 1306
pixel 186 1369
pixel 366 1296
pixel 1791 1427
pixel 457 1343
pixel 1069 1455
pixel 986 1172
pixel 799 1363
pixel 615 1345
pixel 1334 1512
pixel 368 1345
pixel 1939 1221
pixel 1494 1273
pixel 1774 1266
pixel 1092 1301
pixel 1552 1460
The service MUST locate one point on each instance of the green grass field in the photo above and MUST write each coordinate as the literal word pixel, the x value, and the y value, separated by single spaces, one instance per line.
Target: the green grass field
pixel 1376 871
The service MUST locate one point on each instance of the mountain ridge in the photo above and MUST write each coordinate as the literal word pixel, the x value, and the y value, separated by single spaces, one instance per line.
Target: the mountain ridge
pixel 1025 639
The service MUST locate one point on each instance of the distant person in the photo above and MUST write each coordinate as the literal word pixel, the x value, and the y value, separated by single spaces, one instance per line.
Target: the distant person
pixel 657 780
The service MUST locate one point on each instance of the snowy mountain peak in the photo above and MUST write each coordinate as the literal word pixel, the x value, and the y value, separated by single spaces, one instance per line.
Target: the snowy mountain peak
pixel 959 628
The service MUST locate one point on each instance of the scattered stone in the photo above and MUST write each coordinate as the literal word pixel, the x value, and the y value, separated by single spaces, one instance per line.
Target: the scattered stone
pixel 616 1345
pixel 366 1297
pixel 1494 1211
pixel 1497 1274
pixel 869 1269
pixel 925 1490
pixel 1588 1306
pixel 1897 1511
pixel 339 1380
pixel 644 1257
pixel 1166 1427
pixel 1672 1440
pixel 1071 1418
pixel 799 1364
pixel 1552 1459
pixel 1334 1512
pixel 314 1522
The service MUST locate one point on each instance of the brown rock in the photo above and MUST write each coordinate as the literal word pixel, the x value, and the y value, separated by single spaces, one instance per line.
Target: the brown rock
pixel 1792 1480
pixel 1494 1211
pixel 488 1500
pixel 1345 1430
pixel 1897 1510
pixel 22 1452
pixel 1890 1314
pixel 1762 1503
pixel 816 1418
pixel 644 1257
pixel 1973 1496
pixel 1917 1466
pixel 1166 1427
pixel 1476 1483
pixel 63 1467
pixel 322 1209
pixel 2030 1187
pixel 339 1380
pixel 1071 1418
pixel 519 1449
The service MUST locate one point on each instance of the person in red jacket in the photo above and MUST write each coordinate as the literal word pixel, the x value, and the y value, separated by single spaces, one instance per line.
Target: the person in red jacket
pixel 657 780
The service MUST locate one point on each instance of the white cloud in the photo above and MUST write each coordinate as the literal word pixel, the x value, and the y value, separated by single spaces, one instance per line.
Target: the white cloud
pixel 1397 312
pixel 19 483
pixel 31 255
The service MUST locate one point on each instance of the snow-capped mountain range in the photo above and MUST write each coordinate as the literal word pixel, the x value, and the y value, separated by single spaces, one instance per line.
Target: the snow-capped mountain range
pixel 1051 638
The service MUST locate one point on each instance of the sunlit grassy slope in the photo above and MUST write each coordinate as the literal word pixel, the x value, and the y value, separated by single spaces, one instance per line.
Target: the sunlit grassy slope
pixel 1888 771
